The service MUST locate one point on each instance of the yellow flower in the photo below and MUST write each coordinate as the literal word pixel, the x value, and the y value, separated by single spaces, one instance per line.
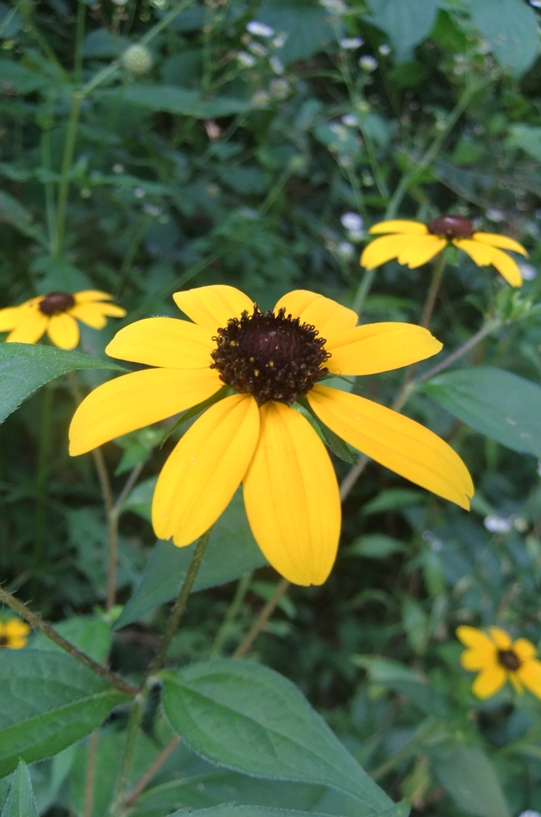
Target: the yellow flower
pixel 254 435
pixel 413 244
pixel 13 633
pixel 57 314
pixel 498 659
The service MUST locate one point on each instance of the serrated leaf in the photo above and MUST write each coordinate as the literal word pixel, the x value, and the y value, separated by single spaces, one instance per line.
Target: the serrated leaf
pixel 231 552
pixel 49 701
pixel 25 367
pixel 20 802
pixel 469 777
pixel 246 717
pixel 497 403
pixel 183 102
pixel 407 23
pixel 510 28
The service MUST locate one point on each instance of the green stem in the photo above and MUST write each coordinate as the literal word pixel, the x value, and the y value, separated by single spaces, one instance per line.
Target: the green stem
pixel 437 275
pixel 136 716
pixel 262 619
pixel 180 605
pixel 363 289
pixel 423 735
pixel 63 190
pixel 38 624
pixel 152 770
pixel 41 477
pixel 91 773
pixel 233 611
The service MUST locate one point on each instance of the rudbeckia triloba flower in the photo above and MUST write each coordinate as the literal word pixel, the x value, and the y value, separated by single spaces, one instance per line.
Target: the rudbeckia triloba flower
pixel 413 244
pixel 13 633
pixel 57 314
pixel 254 435
pixel 498 659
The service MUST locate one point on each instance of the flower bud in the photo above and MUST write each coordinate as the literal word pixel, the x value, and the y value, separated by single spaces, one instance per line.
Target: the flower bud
pixel 137 59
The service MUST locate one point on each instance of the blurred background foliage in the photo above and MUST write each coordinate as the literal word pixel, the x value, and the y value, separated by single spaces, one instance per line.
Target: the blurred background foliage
pixel 146 147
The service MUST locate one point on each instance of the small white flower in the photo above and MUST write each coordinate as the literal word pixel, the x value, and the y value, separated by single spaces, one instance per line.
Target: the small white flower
pixel 384 50
pixel 539 468
pixel 334 6
pixel 528 271
pixel 537 5
pixel 495 215
pixel 152 210
pixel 345 250
pixel 85 193
pixel 352 222
pixel 277 65
pixel 280 88
pixel 279 40
pixel 497 524
pixel 530 812
pixel 351 43
pixel 368 63
pixel 246 59
pixel 350 120
pixel 260 99
pixel 118 168
pixel 259 29
pixel 139 193
pixel 257 49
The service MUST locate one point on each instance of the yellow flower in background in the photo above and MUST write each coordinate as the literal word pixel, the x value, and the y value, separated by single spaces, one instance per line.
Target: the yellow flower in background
pixel 14 633
pixel 57 314
pixel 413 244
pixel 254 435
pixel 499 659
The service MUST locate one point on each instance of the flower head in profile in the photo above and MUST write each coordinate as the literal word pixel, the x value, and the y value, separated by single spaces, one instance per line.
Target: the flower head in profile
pixel 14 633
pixel 413 243
pixel 262 364
pixel 57 314
pixel 498 659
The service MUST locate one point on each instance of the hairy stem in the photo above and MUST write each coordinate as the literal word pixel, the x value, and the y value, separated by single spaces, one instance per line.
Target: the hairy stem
pixel 151 771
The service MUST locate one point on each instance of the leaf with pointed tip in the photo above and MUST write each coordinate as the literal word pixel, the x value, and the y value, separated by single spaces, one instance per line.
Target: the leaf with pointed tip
pixel 20 802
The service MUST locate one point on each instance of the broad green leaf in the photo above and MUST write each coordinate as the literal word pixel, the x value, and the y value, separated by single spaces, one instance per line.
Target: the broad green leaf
pixel 510 29
pixel 21 79
pixel 90 635
pixel 393 500
pixel 20 802
pixel 394 675
pixel 17 216
pixel 497 403
pixel 231 552
pixel 470 779
pixel 375 546
pixel 407 22
pixel 183 102
pixel 25 367
pixel 527 138
pixel 246 717
pixel 226 810
pixel 49 701
pixel 307 26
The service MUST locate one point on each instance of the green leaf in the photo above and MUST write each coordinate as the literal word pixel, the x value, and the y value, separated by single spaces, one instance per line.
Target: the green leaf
pixel 20 802
pixel 394 675
pixel 307 26
pixel 232 810
pixel 392 500
pixel 527 138
pixel 510 29
pixel 375 546
pixel 17 216
pixel 21 79
pixel 231 552
pixel 25 367
pixel 90 635
pixel 49 701
pixel 246 717
pixel 469 777
pixel 183 102
pixel 497 403
pixel 407 22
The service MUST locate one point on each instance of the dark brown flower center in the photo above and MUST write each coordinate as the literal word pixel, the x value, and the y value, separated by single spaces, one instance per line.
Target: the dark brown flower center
pixel 272 357
pixel 4 640
pixel 509 659
pixel 56 302
pixel 451 227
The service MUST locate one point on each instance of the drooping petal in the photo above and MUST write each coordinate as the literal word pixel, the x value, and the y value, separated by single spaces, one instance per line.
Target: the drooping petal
pixel 379 347
pixel 110 310
pixel 501 638
pixel 213 306
pixel 474 638
pixel 524 649
pixel 205 469
pixel 32 326
pixel 10 317
pixel 399 226
pixel 328 316
pixel 167 342
pixel 395 441
pixel 87 313
pixel 501 241
pixel 137 400
pixel 489 681
pixel 291 497
pixel 87 295
pixel 530 675
pixel 383 249
pixel 63 331
pixel 484 255
pixel 421 250
pixel 481 254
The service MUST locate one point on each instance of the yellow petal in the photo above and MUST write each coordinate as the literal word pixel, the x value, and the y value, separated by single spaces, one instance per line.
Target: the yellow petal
pixel 478 659
pixel 137 400
pixel 10 318
pixel 399 226
pixel 483 255
pixel 205 469
pixel 30 329
pixel 328 316
pixel 474 638
pixel 16 629
pixel 381 250
pixel 110 310
pixel 395 441
pixel 63 331
pixel 167 342
pixel 291 497
pixel 515 680
pixel 379 347
pixel 87 313
pixel 213 306
pixel 507 267
pixel 489 682
pixel 91 295
pixel 524 649
pixel 421 250
pixel 501 639
pixel 501 241
pixel 16 643
pixel 530 675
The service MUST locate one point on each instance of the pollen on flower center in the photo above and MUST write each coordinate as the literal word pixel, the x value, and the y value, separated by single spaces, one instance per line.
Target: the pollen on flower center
pixel 508 659
pixel 56 302
pixel 451 227
pixel 271 356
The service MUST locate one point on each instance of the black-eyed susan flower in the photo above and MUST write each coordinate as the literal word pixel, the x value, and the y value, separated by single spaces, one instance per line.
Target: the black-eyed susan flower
pixel 498 659
pixel 413 243
pixel 254 435
pixel 14 633
pixel 57 314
